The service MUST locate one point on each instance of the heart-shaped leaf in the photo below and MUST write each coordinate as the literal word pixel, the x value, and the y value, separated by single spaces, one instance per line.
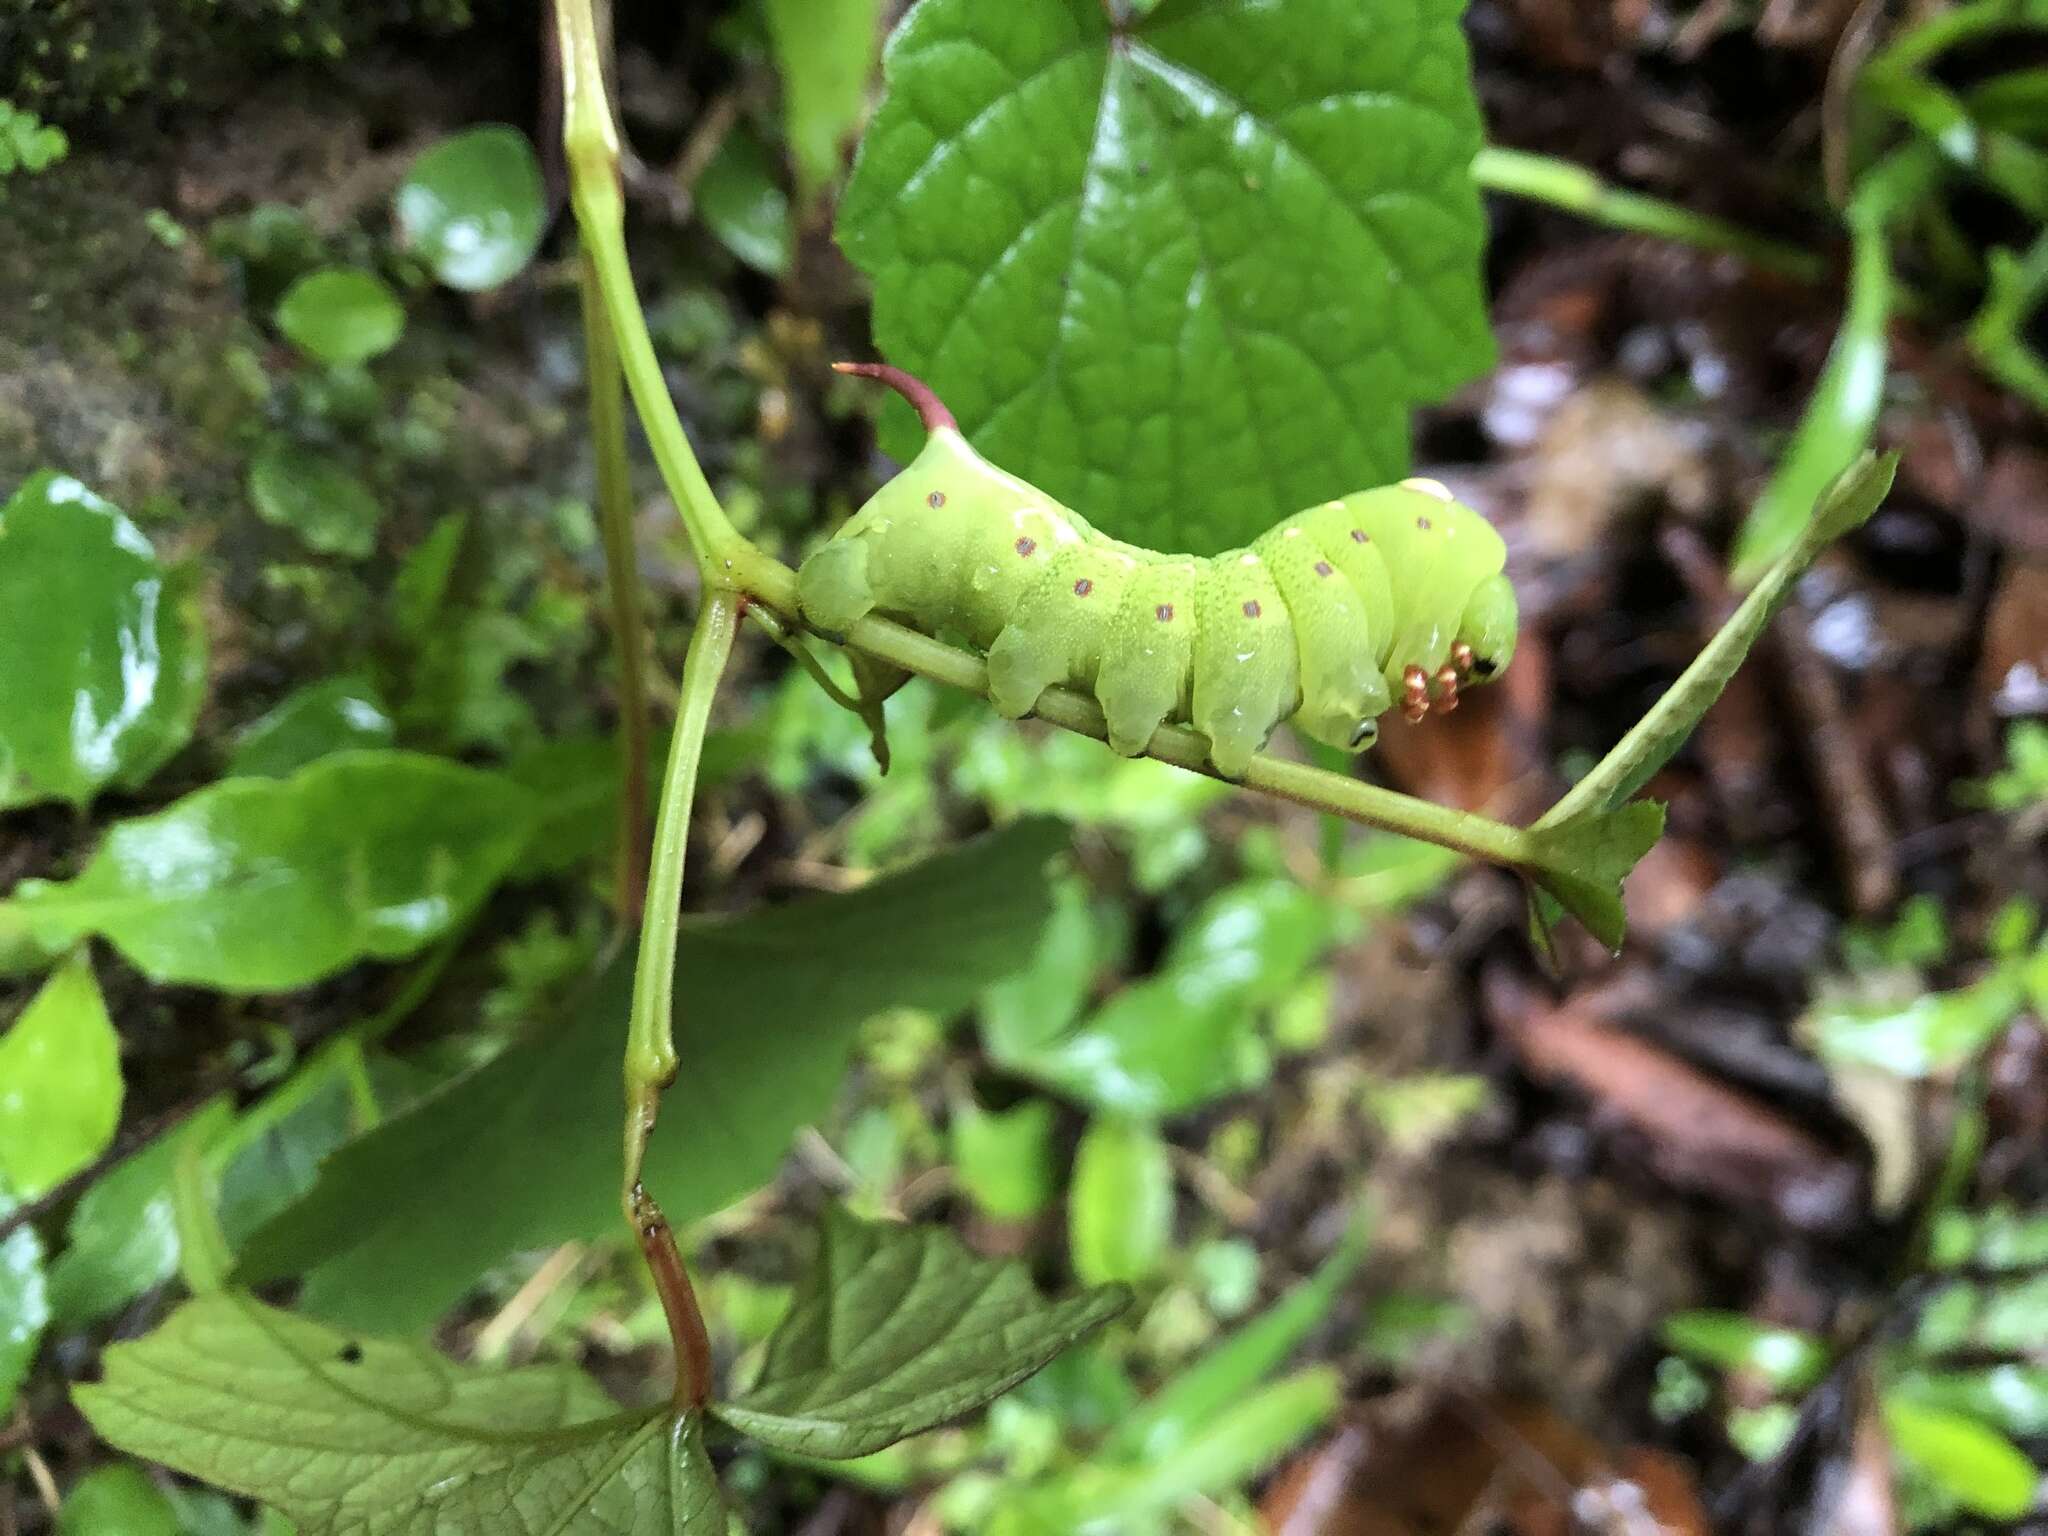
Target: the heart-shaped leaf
pixel 258 885
pixel 102 656
pixel 341 316
pixel 1187 271
pixel 897 1329
pixel 349 1434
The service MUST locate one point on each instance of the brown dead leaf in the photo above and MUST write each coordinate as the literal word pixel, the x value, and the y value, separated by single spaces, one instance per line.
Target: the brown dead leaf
pixel 1701 1132
pixel 2012 671
pixel 1605 451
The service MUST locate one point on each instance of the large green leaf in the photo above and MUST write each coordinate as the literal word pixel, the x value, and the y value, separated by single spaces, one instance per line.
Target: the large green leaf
pixel 258 885
pixel 527 1148
pixel 896 1329
pixel 60 1082
pixel 347 1434
pixel 1188 271
pixel 102 656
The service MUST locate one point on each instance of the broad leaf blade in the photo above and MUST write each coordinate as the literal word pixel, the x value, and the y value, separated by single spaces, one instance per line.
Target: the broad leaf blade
pixel 1186 272
pixel 526 1148
pixel 897 1329
pixel 102 654
pixel 346 1434
pixel 1589 841
pixel 255 885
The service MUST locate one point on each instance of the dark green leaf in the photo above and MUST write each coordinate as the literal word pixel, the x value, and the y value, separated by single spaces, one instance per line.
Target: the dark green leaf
pixel 258 885
pixel 316 497
pixel 310 723
pixel 1785 1358
pixel 60 1082
pixel 824 51
pixel 341 316
pixel 1186 272
pixel 117 1500
pixel 744 206
pixel 897 1329
pixel 1977 1466
pixel 102 687
pixel 767 1010
pixel 1120 1207
pixel 473 207
pixel 347 1434
pixel 121 1239
pixel 24 1302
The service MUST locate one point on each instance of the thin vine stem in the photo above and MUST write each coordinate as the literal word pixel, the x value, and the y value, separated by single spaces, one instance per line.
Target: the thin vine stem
pixel 622 586
pixel 1562 184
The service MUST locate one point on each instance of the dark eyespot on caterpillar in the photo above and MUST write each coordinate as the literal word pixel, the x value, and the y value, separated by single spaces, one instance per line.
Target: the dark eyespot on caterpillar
pixel 1381 594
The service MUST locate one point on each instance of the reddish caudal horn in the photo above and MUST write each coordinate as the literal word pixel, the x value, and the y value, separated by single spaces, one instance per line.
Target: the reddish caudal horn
pixel 931 410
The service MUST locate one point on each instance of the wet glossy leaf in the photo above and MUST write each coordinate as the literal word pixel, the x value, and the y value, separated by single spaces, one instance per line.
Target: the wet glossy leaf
pixel 341 316
pixel 1249 943
pixel 824 51
pixel 896 1329
pixel 1788 1360
pixel 121 1239
pixel 316 497
pixel 1187 272
pixel 117 1500
pixel 1977 1466
pixel 24 1302
pixel 1934 1033
pixel 1182 1409
pixel 743 204
pixel 60 1082
pixel 1120 1205
pixel 1590 838
pixel 1003 1158
pixel 102 655
pixel 348 1434
pixel 527 1147
pixel 316 721
pixel 1160 1046
pixel 473 207
pixel 258 885
pixel 2012 1398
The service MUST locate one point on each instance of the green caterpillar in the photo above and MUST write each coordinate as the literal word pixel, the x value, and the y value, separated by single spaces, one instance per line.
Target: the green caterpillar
pixel 1327 619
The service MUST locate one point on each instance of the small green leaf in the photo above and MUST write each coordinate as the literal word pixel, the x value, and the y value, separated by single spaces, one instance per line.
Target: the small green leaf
pixel 117 1500
pixel 2012 1398
pixel 1785 1358
pixel 1159 1047
pixel 316 721
pixel 1590 839
pixel 102 654
pixel 341 316
pixel 121 1239
pixel 527 1147
pixel 1929 1035
pixel 1120 1208
pixel 743 205
pixel 1249 943
pixel 348 1434
pixel 24 1302
pixel 1004 1159
pixel 60 1082
pixel 473 207
pixel 1039 1001
pixel 1181 1410
pixel 825 52
pixel 897 1329
pixel 316 497
pixel 1977 1466
pixel 259 885
pixel 1188 271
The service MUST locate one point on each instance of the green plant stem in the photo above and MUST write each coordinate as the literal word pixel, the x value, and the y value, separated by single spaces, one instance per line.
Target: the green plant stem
pixel 2015 289
pixel 650 1062
pixel 2002 160
pixel 622 585
pixel 1918 45
pixel 1575 189
pixel 869 710
pixel 1841 414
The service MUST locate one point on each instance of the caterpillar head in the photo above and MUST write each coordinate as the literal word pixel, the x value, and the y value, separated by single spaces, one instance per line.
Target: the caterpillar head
pixel 1487 630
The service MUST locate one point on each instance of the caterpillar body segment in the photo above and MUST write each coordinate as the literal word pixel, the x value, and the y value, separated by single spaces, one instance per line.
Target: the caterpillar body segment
pixel 1328 619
